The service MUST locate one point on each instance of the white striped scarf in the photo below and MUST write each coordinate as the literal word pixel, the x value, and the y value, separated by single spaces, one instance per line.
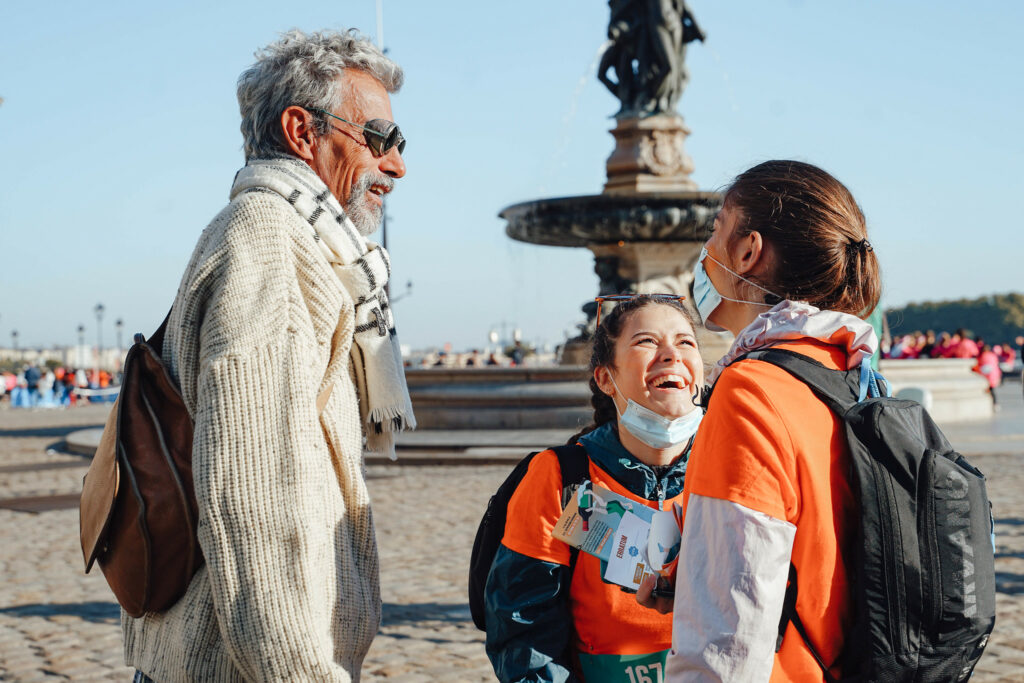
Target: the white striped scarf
pixel 363 268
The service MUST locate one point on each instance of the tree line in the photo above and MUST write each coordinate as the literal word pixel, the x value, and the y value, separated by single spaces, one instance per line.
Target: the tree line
pixel 995 318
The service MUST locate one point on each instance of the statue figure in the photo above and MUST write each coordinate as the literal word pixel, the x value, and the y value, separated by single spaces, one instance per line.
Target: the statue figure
pixel 647 50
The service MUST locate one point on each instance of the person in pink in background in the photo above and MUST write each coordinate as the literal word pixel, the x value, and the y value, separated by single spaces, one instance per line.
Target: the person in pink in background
pixel 943 347
pixel 964 346
pixel 988 367
pixel 901 347
pixel 928 346
pixel 1005 353
pixel 912 344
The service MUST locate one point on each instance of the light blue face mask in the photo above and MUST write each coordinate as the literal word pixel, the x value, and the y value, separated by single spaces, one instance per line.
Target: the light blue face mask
pixel 656 430
pixel 706 298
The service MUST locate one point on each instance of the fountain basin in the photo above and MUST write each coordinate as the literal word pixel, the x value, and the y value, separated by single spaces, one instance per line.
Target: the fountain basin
pixel 558 397
pixel 609 219
pixel 500 398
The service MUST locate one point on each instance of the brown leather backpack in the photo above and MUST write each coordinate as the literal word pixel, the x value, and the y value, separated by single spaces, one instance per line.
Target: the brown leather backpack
pixel 138 513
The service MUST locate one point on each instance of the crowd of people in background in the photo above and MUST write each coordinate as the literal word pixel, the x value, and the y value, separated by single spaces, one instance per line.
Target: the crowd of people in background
pixel 50 387
pixel 991 360
pixel 513 356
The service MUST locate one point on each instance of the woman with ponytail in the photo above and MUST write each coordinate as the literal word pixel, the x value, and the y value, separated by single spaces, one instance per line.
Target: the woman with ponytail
pixel 788 266
pixel 550 620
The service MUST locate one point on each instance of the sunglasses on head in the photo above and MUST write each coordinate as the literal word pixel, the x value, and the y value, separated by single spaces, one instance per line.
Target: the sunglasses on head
pixel 380 134
pixel 629 297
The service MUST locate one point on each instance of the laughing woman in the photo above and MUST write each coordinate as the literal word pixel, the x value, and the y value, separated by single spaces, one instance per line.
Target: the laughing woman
pixel 547 620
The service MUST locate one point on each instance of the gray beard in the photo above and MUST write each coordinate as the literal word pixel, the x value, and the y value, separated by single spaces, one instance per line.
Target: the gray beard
pixel 364 215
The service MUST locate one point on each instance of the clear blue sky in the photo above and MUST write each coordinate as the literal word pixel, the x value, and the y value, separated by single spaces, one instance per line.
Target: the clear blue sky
pixel 119 140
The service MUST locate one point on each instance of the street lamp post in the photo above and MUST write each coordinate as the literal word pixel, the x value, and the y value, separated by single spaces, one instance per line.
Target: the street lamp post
pixel 79 358
pixel 14 339
pixel 99 338
pixel 119 326
pixel 503 339
pixel 398 297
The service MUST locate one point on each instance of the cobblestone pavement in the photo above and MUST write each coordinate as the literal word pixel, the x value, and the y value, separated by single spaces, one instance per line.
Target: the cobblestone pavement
pixel 58 624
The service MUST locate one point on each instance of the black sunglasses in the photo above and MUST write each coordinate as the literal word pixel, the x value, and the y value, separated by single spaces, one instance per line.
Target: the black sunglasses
pixel 380 134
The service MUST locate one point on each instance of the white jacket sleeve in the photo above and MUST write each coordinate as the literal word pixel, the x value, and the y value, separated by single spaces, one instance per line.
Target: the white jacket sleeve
pixel 731 582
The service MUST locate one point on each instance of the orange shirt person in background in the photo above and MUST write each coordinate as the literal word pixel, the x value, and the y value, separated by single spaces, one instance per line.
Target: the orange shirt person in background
pixel 788 266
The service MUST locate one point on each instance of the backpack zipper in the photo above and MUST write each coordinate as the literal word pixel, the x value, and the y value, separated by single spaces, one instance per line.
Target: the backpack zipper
pixel 933 586
pixel 886 513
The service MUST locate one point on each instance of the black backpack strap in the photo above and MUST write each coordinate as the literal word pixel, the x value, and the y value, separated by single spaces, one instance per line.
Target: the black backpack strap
pixel 575 465
pixel 788 607
pixel 838 389
pixel 789 615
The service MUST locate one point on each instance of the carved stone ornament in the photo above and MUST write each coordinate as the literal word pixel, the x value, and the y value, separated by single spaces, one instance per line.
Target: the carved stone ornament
pixel 662 152
pixel 649 156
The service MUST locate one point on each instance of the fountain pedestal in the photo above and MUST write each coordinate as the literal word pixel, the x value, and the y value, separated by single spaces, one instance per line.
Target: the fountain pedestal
pixel 649 267
pixel 649 156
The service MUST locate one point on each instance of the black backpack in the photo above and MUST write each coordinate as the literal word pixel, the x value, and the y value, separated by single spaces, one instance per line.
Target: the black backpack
pixel 575 467
pixel 924 587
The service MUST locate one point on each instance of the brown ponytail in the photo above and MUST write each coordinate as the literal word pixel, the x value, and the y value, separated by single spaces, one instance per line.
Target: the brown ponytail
pixel 818 237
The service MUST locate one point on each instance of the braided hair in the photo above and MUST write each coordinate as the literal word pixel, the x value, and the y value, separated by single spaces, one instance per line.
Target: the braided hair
pixel 603 354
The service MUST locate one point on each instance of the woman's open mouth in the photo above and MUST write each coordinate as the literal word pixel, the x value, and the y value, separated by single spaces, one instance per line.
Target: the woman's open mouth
pixel 668 383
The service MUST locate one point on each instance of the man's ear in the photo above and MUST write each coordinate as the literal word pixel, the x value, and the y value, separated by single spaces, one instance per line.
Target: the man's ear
pixel 297 129
pixel 749 251
pixel 603 377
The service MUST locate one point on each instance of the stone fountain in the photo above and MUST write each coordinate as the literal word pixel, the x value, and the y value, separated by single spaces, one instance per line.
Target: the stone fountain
pixel 647 227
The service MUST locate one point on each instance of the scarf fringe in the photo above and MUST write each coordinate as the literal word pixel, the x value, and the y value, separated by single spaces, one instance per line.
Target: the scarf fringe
pixel 391 418
pixel 381 443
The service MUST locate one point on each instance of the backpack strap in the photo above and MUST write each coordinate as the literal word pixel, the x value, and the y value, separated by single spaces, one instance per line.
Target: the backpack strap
pixel 838 389
pixel 575 465
pixel 789 615
pixel 869 382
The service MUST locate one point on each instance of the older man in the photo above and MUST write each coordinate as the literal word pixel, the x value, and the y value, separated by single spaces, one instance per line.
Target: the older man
pixel 283 344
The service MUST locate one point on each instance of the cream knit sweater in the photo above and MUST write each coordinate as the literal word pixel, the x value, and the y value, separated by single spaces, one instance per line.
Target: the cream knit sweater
pixel 290 589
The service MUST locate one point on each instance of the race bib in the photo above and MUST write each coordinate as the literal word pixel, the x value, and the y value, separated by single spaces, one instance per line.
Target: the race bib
pixel 648 668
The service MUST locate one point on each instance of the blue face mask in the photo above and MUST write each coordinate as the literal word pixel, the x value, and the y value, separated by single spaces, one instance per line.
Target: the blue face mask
pixel 706 298
pixel 656 430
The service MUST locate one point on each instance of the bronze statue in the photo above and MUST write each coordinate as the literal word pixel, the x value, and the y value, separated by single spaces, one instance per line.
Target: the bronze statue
pixel 647 51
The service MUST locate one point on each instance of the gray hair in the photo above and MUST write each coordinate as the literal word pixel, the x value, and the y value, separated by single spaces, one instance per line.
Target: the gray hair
pixel 303 69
